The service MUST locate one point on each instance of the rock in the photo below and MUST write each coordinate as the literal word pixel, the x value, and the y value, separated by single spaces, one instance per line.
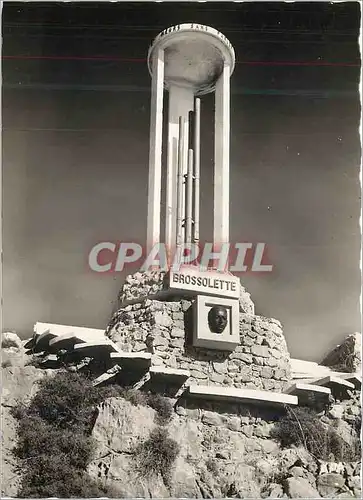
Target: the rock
pixel 234 424
pixel 158 340
pixel 194 414
pixel 180 410
pixel 198 374
pixel 220 367
pixel 346 356
pixel 247 430
pixel 238 479
pixel 262 351
pixel 177 333
pixel 128 484
pixel 10 339
pixel 300 488
pixel 162 319
pixel 122 425
pixel 273 490
pixel 211 418
pixel 18 385
pixel 358 469
pixel 336 412
pixel 354 483
pixel 266 372
pixel 245 302
pixel 344 430
pixel 246 358
pixel 349 468
pixel 157 360
pixel 329 484
pixel 268 446
pixel 258 361
pixel 263 430
pixel 187 433
pixel 301 472
pixel 215 377
pixel 183 483
pixel 177 343
pixel 289 457
pixel 336 467
pixel 266 467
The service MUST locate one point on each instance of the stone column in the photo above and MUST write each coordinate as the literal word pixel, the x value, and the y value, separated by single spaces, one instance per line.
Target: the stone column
pixel 221 159
pixel 156 135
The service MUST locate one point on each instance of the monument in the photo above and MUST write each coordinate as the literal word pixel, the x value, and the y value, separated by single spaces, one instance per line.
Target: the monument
pixel 189 60
pixel 192 333
pixel 189 330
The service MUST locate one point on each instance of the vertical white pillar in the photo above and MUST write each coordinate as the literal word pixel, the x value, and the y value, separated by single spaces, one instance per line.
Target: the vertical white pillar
pixel 156 135
pixel 196 171
pixel 181 101
pixel 221 159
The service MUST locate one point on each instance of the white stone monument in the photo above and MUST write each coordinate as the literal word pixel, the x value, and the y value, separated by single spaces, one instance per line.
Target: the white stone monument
pixel 191 60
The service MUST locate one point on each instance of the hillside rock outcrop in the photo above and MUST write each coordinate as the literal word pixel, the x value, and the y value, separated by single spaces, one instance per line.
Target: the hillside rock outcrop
pixel 221 454
pixel 347 356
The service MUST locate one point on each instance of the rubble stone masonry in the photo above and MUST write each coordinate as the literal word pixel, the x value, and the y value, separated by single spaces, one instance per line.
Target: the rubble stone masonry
pixel 261 361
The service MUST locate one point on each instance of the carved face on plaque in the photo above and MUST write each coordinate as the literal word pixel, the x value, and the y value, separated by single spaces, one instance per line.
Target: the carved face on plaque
pixel 217 319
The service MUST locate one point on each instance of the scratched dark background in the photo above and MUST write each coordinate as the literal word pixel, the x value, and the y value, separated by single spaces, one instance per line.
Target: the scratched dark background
pixel 75 156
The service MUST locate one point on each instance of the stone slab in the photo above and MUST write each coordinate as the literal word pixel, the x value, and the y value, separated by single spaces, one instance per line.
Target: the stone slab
pixel 332 380
pixel 67 342
pixel 87 334
pixel 354 379
pixel 301 390
pixel 94 349
pixel 42 341
pixel 169 372
pixel 242 395
pixel 137 356
pixel 30 343
pixel 132 361
pixel 309 370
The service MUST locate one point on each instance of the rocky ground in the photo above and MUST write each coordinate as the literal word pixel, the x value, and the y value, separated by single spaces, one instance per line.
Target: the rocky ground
pixel 222 452
pixel 220 456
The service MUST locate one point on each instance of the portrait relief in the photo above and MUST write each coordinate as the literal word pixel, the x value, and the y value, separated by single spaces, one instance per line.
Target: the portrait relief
pixel 217 319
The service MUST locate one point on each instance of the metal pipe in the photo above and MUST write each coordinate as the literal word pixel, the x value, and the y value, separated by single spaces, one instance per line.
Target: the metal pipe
pixel 179 220
pixel 196 172
pixel 189 198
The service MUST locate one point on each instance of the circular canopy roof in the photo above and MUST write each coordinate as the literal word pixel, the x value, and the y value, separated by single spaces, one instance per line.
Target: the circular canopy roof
pixel 194 56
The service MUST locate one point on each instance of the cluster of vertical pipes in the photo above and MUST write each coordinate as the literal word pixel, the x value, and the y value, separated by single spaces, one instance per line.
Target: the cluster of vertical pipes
pixel 188 179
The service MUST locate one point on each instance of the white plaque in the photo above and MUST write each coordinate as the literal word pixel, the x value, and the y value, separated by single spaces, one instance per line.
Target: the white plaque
pixel 205 282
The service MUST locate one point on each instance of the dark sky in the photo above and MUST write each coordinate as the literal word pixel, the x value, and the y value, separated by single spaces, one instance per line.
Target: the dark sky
pixel 75 156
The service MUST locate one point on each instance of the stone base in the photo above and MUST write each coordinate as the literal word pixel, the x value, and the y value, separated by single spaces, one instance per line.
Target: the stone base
pixel 164 329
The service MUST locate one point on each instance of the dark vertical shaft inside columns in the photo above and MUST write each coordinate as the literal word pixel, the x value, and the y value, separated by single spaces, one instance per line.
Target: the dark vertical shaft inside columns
pixel 189 199
pixel 196 172
pixel 179 220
